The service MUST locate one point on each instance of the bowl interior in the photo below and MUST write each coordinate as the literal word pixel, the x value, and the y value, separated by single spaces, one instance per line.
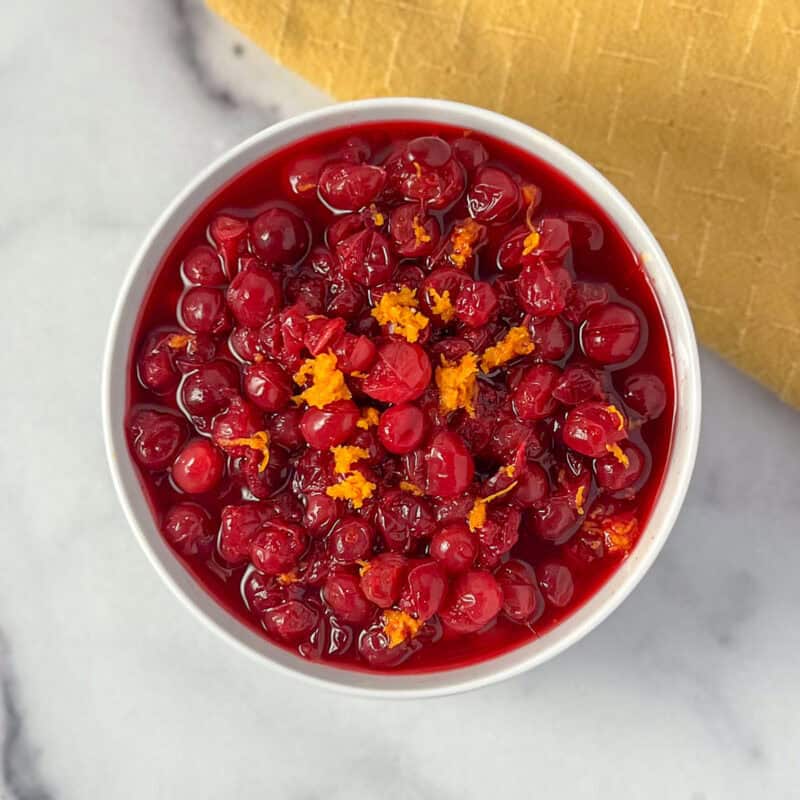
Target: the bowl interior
pixel 685 363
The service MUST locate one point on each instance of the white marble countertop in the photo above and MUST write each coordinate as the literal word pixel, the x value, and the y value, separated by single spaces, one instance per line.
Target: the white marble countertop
pixel 110 689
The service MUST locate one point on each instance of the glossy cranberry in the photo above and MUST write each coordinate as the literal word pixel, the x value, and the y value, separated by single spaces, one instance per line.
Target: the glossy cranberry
pixel 402 428
pixel 474 600
pixel 449 465
pixel 355 150
pixel 455 547
pixel 400 518
pixel 556 583
pixel 583 297
pixel 590 428
pixel 246 469
pixel 355 353
pixel 285 428
pixel 555 519
pixel 510 437
pixel 351 539
pixel 470 152
pixel 555 243
pixel 302 174
pixel 522 600
pixel 429 151
pixel 280 236
pixel 414 233
pixel 156 438
pixel 187 527
pixel 532 484
pixel 493 196
pixel 253 296
pixel 240 420
pixel 645 394
pixel 615 475
pixel 366 258
pixel 332 425
pixel 375 649
pixel 401 372
pixel 533 397
pixel 426 587
pixel 578 383
pixel 292 621
pixel 497 535
pixel 552 338
pixel 321 513
pixel 198 467
pixel 476 304
pixel 202 310
pixel 261 592
pixel 202 267
pixel 346 299
pixel 267 386
pixel 209 389
pixel 437 187
pixel 313 471
pixel 441 280
pixel 230 235
pixel 543 289
pixel 611 333
pixel 277 547
pixel 348 187
pixel 323 334
pixel 383 578
pixel 156 367
pixel 239 525
pixel 342 592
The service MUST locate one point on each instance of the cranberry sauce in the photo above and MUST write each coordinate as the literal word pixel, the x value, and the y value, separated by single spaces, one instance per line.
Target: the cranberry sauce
pixel 400 397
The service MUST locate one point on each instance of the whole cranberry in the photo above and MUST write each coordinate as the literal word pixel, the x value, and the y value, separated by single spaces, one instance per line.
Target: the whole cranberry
pixel 262 592
pixel 202 310
pixel 510 437
pixel 402 428
pixel 342 592
pixel 555 519
pixel 455 547
pixel 441 280
pixel 202 267
pixel 253 296
pixel 156 364
pixel 449 465
pixel 366 258
pixel 156 438
pixel 351 539
pixel 426 587
pixel 645 394
pixel 285 428
pixel 498 535
pixel 280 236
pixel 198 467
pixel 302 174
pixel 611 333
pixel 477 304
pixel 382 580
pixel 584 296
pixel 590 428
pixel 187 527
pixel 533 397
pixel 267 386
pixel 313 471
pixel 210 388
pixel 321 513
pixel 348 187
pixel 401 518
pixel 470 152
pixel 429 151
pixel 292 621
pixel 415 234
pixel 552 338
pixel 239 526
pixel 355 353
pixel 345 299
pixel 278 546
pixel 374 647
pixel 543 289
pixel 230 236
pixel 437 187
pixel 532 485
pixel 493 195
pixel 578 383
pixel 556 582
pixel 522 600
pixel 614 474
pixel 332 425
pixel 240 420
pixel 474 600
pixel 401 372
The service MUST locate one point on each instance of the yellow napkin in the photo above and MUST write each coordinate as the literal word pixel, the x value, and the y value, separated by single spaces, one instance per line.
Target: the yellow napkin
pixel 691 107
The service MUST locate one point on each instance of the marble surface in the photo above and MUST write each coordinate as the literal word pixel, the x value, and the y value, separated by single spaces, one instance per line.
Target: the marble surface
pixel 110 689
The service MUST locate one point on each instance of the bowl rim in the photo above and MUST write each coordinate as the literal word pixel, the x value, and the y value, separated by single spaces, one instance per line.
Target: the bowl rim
pixel 686 423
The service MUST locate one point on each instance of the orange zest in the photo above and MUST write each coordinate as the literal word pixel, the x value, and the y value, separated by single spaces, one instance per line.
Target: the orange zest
pixel 178 341
pixel 286 578
pixel 363 566
pixel 462 240
pixel 618 414
pixel 259 441
pixel 344 456
pixel 517 342
pixel 420 234
pixel 580 499
pixel 418 169
pixel 398 309
pixel 458 384
pixel 377 217
pixel 509 471
pixel 477 516
pixel 440 304
pixel 618 453
pixel 327 382
pixel 353 487
pixel 530 242
pixel 369 418
pixel 399 626
pixel 407 486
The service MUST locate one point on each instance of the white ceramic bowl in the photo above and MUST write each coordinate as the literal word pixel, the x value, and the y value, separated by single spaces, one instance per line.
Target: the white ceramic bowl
pixel 684 353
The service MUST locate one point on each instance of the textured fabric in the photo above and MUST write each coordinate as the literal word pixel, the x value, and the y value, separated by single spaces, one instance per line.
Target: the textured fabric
pixel 691 107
